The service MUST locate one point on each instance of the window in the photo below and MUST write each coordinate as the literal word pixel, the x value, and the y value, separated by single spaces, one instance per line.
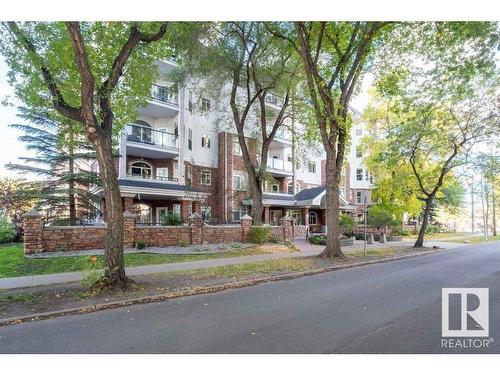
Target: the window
pixel 359 154
pixel 205 141
pixel 190 209
pixel 297 216
pixel 275 188
pixel 206 212
pixel 359 197
pixel 141 169
pixel 239 182
pixel 189 172
pixel 175 171
pixel 162 173
pixel 366 175
pixel 205 105
pixel 359 174
pixel 311 167
pixel 206 177
pixel 290 187
pixel 313 218
pixel 237 148
pixel 176 209
pixel 190 139
pixel 142 213
pixel 289 158
pixel 359 131
pixel 238 214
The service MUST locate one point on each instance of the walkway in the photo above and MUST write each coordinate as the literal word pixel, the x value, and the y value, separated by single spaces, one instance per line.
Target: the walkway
pixel 305 248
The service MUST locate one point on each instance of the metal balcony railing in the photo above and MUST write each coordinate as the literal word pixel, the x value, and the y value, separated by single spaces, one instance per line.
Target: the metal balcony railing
pixel 147 135
pixel 165 94
pixel 150 177
pixel 278 164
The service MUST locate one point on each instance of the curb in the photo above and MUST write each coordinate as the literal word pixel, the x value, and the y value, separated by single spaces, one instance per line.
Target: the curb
pixel 199 290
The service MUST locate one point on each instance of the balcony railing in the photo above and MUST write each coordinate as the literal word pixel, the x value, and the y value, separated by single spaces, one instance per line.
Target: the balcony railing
pixel 278 164
pixel 150 177
pixel 165 94
pixel 273 99
pixel 147 135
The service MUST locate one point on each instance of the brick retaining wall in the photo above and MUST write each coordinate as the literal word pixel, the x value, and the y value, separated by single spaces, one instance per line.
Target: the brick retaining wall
pixel 70 238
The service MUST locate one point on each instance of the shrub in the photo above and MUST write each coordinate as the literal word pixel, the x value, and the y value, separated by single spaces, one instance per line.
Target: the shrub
pixel 6 230
pixel 171 219
pixel 318 240
pixel 92 272
pixel 432 229
pixel 274 239
pixel 347 222
pixel 260 234
pixel 140 244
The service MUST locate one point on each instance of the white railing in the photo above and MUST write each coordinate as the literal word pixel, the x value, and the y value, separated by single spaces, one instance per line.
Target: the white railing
pixel 144 134
pixel 278 164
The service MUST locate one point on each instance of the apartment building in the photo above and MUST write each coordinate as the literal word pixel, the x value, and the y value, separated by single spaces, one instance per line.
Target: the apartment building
pixel 174 158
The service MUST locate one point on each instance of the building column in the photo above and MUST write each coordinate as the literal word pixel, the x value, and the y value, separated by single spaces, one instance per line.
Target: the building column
pixel 185 209
pixel 286 223
pixel 128 229
pixel 122 159
pixel 283 185
pixel 197 207
pixel 246 224
pixel 266 214
pixel 305 215
pixel 196 223
pixel 128 202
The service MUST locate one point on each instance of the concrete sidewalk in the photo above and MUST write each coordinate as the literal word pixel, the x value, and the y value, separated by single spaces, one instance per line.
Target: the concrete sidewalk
pixel 305 248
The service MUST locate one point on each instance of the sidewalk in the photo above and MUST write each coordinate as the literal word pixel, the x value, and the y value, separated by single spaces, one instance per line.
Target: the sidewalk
pixel 305 248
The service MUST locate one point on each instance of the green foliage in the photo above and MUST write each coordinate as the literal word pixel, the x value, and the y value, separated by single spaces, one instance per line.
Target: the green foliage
pixel 347 222
pixel 381 215
pixel 6 230
pixel 260 234
pixel 182 242
pixel 140 244
pixel 318 240
pixel 92 272
pixel 171 219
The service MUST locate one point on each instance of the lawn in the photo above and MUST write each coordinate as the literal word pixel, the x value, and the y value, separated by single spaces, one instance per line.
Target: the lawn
pixel 438 236
pixel 13 263
pixel 478 239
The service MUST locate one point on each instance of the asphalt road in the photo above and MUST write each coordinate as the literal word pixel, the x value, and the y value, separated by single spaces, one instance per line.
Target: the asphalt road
pixel 390 307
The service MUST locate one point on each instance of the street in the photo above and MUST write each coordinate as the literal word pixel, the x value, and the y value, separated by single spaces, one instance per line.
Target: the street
pixel 392 307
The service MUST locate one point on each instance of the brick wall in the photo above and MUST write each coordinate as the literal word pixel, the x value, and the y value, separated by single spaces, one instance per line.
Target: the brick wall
pixel 71 238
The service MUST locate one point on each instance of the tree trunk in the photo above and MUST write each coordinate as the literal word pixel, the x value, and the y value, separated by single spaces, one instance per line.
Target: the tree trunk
pixel 71 182
pixel 257 206
pixel 494 218
pixel 115 271
pixel 425 222
pixel 332 210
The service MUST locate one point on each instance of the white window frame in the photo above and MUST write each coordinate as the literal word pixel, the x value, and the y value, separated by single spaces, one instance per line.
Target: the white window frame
pixel 359 153
pixel 313 218
pixel 158 220
pixel 205 141
pixel 359 197
pixel 150 167
pixel 176 208
pixel 237 148
pixel 241 212
pixel 239 182
pixel 190 139
pixel 205 104
pixel 359 175
pixel 163 177
pixel 313 165
pixel 175 170
pixel 204 173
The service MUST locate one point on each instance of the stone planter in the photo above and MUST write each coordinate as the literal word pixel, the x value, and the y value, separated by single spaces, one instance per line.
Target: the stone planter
pixel 346 241
pixel 394 238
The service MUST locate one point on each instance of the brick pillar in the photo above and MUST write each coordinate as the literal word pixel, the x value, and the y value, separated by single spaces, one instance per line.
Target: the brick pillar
pixel 283 185
pixel 128 229
pixel 266 215
pixel 196 223
pixel 185 209
pixel 128 202
pixel 197 207
pixel 33 232
pixel 305 215
pixel 246 224
pixel 286 223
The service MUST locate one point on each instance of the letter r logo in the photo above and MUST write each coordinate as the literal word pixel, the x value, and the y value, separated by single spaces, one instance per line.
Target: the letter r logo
pixel 465 312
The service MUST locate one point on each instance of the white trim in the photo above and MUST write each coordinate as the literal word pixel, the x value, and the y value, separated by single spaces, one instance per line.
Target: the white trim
pixel 157 212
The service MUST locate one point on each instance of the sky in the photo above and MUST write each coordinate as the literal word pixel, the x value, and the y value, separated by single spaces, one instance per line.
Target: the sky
pixel 11 148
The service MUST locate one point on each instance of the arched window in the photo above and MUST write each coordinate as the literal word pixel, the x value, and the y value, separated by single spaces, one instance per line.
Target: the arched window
pixel 313 218
pixel 142 213
pixel 141 169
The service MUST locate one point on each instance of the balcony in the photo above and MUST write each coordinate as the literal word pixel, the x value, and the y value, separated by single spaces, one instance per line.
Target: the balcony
pixel 146 142
pixel 278 167
pixel 164 102
pixel 282 139
pixel 273 100
pixel 152 178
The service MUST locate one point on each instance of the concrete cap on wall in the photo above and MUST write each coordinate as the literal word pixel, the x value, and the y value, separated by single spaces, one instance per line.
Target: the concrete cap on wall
pixel 195 216
pixel 128 214
pixel 32 213
pixel 246 217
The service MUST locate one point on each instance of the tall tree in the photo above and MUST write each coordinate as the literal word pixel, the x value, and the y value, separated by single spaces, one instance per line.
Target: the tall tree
pixel 245 63
pixel 60 152
pixel 335 56
pixel 94 74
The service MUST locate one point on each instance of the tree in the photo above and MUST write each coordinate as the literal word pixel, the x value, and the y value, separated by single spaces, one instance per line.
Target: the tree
pixel 59 152
pixel 14 202
pixel 489 166
pixel 347 222
pixel 246 63
pixel 334 55
pixel 93 74
pixel 381 215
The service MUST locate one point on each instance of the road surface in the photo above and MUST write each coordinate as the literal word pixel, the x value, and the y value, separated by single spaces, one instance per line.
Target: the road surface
pixel 392 307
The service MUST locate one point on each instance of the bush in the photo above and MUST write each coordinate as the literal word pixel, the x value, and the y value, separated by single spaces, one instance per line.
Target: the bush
pixel 182 242
pixel 140 244
pixel 347 222
pixel 318 240
pixel 260 234
pixel 6 231
pixel 171 219
pixel 432 229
